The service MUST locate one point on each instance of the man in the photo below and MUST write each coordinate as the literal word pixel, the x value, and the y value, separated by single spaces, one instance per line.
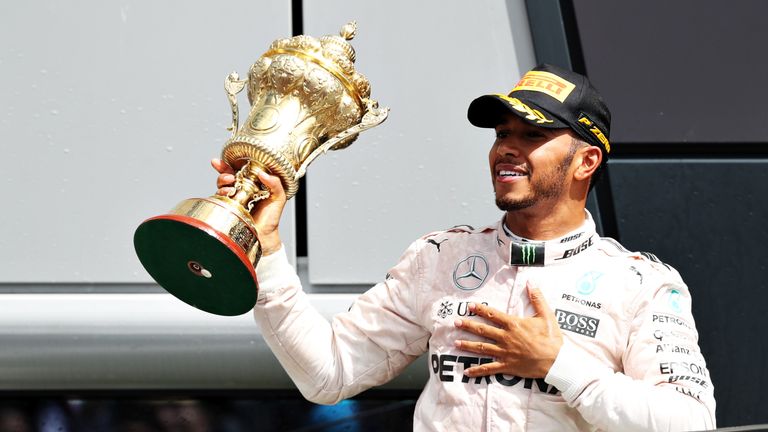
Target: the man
pixel 534 323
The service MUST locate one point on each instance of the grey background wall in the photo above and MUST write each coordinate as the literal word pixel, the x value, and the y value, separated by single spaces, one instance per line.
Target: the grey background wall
pixel 111 111
pixel 425 168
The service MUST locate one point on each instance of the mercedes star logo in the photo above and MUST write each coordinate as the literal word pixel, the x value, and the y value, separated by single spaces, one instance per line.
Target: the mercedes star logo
pixel 470 273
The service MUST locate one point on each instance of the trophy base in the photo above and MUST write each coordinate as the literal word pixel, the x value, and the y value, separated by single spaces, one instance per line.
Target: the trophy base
pixel 196 263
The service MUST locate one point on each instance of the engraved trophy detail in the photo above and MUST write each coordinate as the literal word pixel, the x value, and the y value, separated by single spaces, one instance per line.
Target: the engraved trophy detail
pixel 306 98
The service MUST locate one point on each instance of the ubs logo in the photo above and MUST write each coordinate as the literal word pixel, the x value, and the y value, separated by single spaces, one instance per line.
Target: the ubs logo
pixel 470 273
pixel 462 308
pixel 446 308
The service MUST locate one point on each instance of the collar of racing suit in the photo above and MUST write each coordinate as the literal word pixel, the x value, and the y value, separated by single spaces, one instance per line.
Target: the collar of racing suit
pixel 519 251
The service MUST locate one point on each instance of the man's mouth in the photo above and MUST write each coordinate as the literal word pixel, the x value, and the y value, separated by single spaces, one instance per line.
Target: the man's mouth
pixel 508 173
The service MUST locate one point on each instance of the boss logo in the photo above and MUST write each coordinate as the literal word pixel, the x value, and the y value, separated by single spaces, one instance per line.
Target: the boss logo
pixel 573 322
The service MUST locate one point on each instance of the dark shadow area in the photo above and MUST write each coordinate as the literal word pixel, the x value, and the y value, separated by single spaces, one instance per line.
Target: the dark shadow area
pixel 219 414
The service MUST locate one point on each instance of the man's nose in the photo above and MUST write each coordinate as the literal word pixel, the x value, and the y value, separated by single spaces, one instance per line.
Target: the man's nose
pixel 508 147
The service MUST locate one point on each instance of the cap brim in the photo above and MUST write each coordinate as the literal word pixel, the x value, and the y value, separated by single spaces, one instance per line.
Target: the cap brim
pixel 488 111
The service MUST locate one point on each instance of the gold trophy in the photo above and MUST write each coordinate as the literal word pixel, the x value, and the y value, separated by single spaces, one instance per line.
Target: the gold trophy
pixel 306 98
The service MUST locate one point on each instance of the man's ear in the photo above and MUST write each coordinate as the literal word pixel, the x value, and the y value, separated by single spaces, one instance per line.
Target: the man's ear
pixel 588 159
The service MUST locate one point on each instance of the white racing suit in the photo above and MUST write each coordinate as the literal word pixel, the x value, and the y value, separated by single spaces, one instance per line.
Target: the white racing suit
pixel 630 358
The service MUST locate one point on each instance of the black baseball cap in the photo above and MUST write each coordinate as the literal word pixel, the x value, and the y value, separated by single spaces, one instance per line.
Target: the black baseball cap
pixel 550 97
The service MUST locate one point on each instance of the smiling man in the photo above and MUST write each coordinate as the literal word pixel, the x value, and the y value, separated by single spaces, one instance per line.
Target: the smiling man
pixel 532 323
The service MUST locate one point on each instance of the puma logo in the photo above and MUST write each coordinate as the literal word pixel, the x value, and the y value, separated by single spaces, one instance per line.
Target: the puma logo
pixel 437 245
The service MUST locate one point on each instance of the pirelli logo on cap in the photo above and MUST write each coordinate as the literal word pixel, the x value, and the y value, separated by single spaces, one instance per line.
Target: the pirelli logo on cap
pixel 547 83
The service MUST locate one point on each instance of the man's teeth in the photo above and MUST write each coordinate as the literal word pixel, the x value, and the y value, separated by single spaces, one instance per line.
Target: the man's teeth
pixel 505 173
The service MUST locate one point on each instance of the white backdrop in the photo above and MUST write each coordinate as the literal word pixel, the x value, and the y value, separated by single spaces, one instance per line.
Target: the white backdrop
pixel 426 167
pixel 112 109
pixel 110 113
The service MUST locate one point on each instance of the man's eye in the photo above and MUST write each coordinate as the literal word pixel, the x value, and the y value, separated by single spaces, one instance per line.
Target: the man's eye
pixel 502 135
pixel 534 134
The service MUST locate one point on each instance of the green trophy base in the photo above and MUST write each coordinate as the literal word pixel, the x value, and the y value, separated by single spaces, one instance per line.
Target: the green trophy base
pixel 197 264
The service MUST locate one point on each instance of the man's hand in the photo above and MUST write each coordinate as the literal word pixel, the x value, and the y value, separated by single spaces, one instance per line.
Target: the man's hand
pixel 524 347
pixel 266 213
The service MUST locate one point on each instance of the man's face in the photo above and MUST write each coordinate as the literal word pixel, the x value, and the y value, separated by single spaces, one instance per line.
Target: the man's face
pixel 529 164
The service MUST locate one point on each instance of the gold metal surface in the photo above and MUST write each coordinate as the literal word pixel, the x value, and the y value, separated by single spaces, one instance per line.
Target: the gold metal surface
pixel 234 85
pixel 306 98
pixel 227 217
pixel 304 92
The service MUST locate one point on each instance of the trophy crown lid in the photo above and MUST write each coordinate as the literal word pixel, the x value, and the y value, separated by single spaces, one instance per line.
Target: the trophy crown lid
pixel 332 52
pixel 338 48
pixel 348 30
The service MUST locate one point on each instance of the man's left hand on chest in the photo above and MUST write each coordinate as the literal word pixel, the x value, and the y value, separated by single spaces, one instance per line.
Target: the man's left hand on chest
pixel 524 347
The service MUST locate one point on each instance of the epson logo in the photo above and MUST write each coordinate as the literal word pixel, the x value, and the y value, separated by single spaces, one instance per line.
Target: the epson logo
pixel 671 368
pixel 573 322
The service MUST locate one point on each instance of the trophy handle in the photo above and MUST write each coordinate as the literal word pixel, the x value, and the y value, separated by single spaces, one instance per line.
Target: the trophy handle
pixel 234 85
pixel 374 116
pixel 248 189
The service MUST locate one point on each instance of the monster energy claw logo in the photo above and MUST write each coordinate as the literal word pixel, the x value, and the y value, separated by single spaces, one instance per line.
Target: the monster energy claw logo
pixel 528 254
